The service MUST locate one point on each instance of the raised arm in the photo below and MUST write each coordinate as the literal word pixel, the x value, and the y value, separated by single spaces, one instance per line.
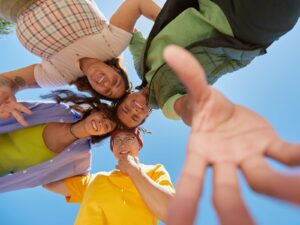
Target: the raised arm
pixel 10 83
pixel 156 196
pixel 130 10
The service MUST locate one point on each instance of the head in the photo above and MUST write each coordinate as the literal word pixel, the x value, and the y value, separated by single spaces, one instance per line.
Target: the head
pixel 98 119
pixel 126 141
pixel 106 80
pixel 134 109
pixel 100 122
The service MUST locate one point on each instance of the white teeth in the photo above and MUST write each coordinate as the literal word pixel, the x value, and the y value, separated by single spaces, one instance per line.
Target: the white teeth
pixel 124 152
pixel 100 80
pixel 138 105
pixel 94 125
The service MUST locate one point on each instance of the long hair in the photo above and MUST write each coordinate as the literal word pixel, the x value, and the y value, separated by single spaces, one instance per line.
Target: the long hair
pixel 83 84
pixel 85 105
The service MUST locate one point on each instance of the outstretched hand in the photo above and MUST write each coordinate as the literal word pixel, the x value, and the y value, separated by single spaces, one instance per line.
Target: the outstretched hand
pixel 226 136
pixel 8 104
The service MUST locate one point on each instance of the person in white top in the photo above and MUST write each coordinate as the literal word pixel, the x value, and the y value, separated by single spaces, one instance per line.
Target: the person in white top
pixel 77 46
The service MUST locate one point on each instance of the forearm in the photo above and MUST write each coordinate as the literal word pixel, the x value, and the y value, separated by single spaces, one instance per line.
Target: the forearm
pixel 19 79
pixel 58 187
pixel 156 196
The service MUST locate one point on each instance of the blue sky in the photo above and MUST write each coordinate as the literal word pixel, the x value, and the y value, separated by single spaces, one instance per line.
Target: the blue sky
pixel 269 85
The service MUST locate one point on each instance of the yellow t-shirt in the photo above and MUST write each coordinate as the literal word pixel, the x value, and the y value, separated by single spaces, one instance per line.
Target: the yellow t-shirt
pixel 110 198
pixel 22 149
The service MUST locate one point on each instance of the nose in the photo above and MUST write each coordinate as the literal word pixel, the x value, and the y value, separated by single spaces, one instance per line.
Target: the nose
pixel 106 84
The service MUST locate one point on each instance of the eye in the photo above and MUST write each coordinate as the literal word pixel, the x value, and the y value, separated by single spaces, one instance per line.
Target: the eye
pixel 125 109
pixel 115 81
pixel 135 118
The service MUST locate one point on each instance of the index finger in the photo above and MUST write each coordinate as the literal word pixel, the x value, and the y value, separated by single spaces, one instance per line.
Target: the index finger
pixel 19 118
pixel 20 107
pixel 183 206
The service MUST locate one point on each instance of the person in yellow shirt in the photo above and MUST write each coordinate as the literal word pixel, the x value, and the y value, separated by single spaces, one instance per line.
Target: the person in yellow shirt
pixel 132 194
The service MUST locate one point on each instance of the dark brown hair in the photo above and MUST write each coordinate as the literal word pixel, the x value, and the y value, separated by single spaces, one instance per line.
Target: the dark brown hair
pixel 83 84
pixel 85 105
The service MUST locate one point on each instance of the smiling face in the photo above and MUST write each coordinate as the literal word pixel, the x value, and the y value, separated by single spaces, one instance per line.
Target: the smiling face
pixel 133 109
pixel 125 143
pixel 98 124
pixel 103 78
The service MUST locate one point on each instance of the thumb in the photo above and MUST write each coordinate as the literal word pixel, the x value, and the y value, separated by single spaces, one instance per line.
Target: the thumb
pixel 188 70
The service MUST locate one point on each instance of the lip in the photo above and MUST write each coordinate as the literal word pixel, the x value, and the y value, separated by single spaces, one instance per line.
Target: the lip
pixel 124 152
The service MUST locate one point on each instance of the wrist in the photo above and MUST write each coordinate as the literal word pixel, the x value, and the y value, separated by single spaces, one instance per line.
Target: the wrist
pixel 8 83
pixel 133 171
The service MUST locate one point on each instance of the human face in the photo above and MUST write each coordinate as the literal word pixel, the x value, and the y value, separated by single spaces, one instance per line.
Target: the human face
pixel 98 124
pixel 133 109
pixel 125 143
pixel 103 78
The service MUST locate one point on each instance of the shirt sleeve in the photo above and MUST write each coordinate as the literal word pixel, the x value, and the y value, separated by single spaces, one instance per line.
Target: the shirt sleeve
pixel 77 186
pixel 46 75
pixel 136 48
pixel 168 108
pixel 162 177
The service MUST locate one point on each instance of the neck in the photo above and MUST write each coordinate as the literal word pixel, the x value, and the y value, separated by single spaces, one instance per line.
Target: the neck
pixel 78 130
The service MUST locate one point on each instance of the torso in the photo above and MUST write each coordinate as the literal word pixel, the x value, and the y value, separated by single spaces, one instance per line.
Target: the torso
pixel 23 148
pixel 61 32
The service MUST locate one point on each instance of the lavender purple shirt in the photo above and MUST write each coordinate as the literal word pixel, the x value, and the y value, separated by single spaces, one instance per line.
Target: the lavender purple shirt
pixel 74 160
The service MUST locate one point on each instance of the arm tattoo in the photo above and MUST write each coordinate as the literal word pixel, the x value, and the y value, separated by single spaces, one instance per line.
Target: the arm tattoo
pixel 20 81
pixel 4 82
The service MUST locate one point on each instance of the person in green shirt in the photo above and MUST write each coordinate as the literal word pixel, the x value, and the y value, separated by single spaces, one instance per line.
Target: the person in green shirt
pixel 223 35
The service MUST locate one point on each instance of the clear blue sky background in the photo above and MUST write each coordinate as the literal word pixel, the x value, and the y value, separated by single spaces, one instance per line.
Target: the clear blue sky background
pixel 270 86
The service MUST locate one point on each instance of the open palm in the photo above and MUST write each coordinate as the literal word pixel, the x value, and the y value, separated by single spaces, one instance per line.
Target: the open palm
pixel 10 107
pixel 227 137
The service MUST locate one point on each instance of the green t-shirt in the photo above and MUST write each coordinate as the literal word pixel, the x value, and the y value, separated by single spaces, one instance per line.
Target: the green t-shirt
pixel 22 149
pixel 189 26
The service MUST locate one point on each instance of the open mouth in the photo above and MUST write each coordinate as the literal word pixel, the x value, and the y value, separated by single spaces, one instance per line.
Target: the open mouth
pixel 124 153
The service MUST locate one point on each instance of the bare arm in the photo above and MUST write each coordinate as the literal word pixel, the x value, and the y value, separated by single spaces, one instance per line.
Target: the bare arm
pixel 130 10
pixel 21 78
pixel 58 187
pixel 156 196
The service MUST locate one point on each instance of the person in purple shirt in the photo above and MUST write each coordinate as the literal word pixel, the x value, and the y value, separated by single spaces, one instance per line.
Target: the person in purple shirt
pixel 56 144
